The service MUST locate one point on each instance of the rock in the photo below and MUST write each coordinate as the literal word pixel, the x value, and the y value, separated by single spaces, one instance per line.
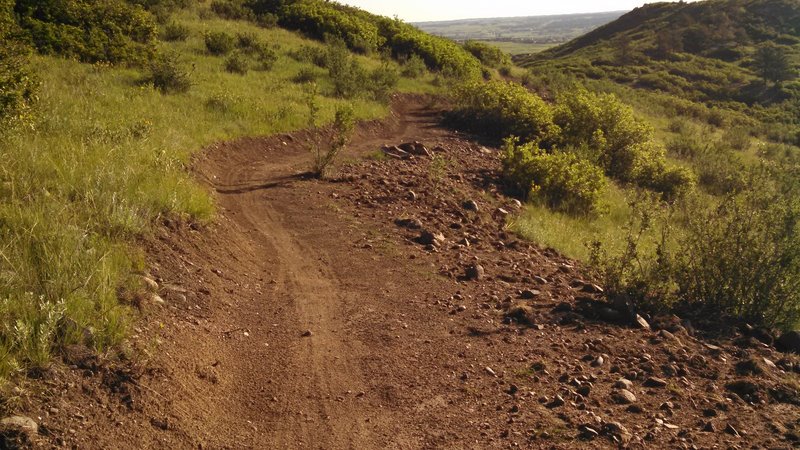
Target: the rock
pixel 641 323
pixel 749 367
pixel 557 402
pixel 501 212
pixel 592 288
pixel 709 427
pixel 529 294
pixel 624 383
pixel 610 315
pixel 18 432
pixel 789 342
pixel 408 222
pixel 516 204
pixel 584 390
pixel 461 308
pixel 732 431
pixel 470 205
pixel 307 333
pixel 618 431
pixel 540 280
pixel 150 283
pixel 623 397
pixel 745 389
pixel 655 382
pixel 430 238
pixel 599 361
pixel 414 148
pixel 475 272
pixel 521 313
pixel 490 371
pixel 395 152
pixel 669 337
pixel 588 432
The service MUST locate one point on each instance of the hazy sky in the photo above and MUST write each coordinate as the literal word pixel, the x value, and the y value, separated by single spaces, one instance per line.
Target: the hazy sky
pixel 423 10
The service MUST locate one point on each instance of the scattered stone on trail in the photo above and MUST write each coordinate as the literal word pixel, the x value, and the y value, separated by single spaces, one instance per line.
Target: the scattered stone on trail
pixel 307 333
pixel 18 432
pixel 669 337
pixel 415 148
pixel 618 431
pixel 732 431
pixel 641 323
pixel 599 361
pixel 470 205
pixel 789 342
pixel 516 204
pixel 500 212
pixel 408 222
pixel 540 280
pixel 610 315
pixel 411 195
pixel 490 371
pixel 150 283
pixel 461 308
pixel 395 152
pixel 655 382
pixel 624 383
pixel 591 288
pixel 557 401
pixel 156 299
pixel 623 397
pixel 529 294
pixel 430 238
pixel 588 432
pixel 521 313
pixel 584 390
pixel 475 272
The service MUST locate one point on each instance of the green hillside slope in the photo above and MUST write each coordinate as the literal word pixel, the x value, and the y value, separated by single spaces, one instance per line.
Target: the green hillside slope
pixel 737 54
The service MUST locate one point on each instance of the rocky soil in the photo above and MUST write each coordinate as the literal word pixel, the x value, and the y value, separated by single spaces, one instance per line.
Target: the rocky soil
pixel 391 307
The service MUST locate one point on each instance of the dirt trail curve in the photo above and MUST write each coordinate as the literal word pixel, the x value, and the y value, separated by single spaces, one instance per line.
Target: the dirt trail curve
pixel 281 363
pixel 308 317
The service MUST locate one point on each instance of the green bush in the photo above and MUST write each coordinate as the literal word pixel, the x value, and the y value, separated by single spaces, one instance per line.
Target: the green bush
pixel 310 55
pixel 17 85
pixel 500 109
pixel 414 67
pixel 237 63
pixel 168 75
pixel 175 32
pixel 622 143
pixel 219 43
pixel 323 19
pixel 89 30
pixel 383 81
pixel 266 56
pixel 306 75
pixel 742 258
pixel 489 55
pixel 232 10
pixel 562 180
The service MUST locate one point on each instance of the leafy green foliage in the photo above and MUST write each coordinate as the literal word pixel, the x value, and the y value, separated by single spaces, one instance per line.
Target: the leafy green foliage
pixel 771 61
pixel 17 86
pixel 168 75
pixel 414 67
pixel 232 10
pixel 489 55
pixel 738 258
pixel 219 43
pixel 175 32
pixel 501 109
pixel 562 180
pixel 105 30
pixel 237 63
pixel 321 19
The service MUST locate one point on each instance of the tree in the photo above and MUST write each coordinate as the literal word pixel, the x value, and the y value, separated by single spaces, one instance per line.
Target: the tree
pixel 772 63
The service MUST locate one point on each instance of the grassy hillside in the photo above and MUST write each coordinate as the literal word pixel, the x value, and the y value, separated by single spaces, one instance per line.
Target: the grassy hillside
pixel 739 55
pixel 95 150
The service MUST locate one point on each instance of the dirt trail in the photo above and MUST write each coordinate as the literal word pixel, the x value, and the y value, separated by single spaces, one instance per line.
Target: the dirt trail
pixel 308 317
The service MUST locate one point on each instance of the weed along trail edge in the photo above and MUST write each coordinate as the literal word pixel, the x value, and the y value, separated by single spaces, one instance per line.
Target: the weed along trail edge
pixel 390 307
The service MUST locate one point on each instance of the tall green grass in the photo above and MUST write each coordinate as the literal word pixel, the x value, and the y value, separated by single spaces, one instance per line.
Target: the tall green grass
pixel 105 159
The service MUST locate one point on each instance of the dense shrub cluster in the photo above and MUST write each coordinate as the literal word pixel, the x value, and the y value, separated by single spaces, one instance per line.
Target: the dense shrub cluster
pixel 17 88
pixel 364 32
pixel 738 258
pixel 219 42
pixel 562 180
pixel 597 127
pixel 320 19
pixel 168 74
pixel 101 30
pixel 350 79
pixel 489 55
pixel 500 109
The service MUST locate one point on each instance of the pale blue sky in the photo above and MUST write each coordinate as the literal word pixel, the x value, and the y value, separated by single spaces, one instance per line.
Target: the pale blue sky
pixel 424 10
